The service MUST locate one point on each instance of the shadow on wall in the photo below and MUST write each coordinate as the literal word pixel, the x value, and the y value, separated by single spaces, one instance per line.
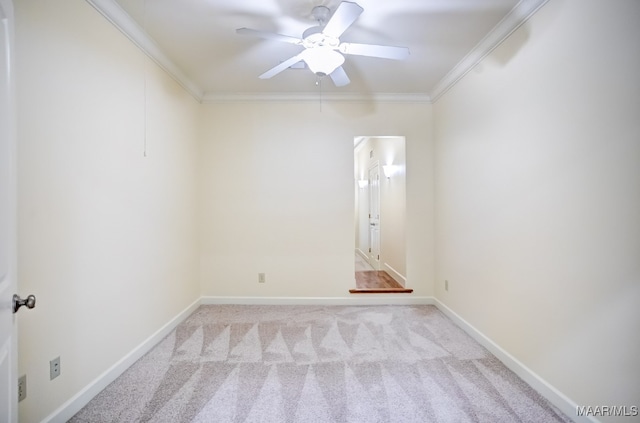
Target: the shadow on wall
pixel 506 51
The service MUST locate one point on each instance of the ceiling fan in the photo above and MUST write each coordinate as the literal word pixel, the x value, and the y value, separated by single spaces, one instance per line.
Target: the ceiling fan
pixel 323 51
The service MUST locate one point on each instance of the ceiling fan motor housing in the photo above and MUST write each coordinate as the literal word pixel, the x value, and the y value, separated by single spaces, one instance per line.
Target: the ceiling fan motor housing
pixel 314 37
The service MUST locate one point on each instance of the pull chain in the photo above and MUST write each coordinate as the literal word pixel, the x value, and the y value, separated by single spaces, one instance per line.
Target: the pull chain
pixel 319 84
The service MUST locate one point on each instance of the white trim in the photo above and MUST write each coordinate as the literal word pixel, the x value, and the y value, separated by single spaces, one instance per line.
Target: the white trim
pixel 397 276
pixel 520 13
pixel 115 14
pixel 67 410
pixel 557 398
pixel 129 27
pixel 354 299
pixel 362 254
pixel 211 97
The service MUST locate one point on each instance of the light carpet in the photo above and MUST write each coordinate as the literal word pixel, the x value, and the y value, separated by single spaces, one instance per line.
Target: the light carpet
pixel 230 363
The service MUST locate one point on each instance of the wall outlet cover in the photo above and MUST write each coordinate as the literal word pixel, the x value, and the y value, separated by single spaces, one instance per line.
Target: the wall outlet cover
pixel 54 368
pixel 22 387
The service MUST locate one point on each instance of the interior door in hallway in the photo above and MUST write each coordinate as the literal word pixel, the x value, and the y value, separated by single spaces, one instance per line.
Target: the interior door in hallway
pixel 8 349
pixel 374 216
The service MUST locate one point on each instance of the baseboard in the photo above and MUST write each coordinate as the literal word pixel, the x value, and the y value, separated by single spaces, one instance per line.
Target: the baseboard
pixel 397 276
pixel 67 410
pixel 554 396
pixel 378 299
pixel 362 254
pixel 557 398
pixel 77 402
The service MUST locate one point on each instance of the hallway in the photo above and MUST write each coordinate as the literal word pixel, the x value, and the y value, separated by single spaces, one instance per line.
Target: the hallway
pixel 369 280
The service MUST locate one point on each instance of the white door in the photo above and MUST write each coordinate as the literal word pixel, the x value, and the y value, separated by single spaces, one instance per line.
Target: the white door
pixel 374 216
pixel 8 348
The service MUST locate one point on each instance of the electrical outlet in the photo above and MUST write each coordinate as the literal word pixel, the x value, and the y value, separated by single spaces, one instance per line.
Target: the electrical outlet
pixel 22 387
pixel 261 278
pixel 54 368
pixel 446 285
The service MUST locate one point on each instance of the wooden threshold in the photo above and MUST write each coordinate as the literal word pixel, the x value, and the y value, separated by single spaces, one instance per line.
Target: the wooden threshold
pixel 381 291
pixel 377 282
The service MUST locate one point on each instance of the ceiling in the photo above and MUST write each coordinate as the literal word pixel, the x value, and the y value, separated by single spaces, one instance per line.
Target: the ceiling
pixel 196 42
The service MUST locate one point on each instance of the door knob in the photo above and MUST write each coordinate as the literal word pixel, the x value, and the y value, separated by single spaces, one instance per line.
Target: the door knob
pixel 30 302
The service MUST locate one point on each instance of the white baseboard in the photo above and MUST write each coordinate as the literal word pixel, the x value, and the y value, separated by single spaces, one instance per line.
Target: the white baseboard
pixel 82 398
pixel 355 299
pixel 67 410
pixel 397 276
pixel 362 254
pixel 555 397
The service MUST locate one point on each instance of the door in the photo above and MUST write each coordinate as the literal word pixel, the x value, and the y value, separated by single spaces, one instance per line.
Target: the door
pixel 8 261
pixel 374 216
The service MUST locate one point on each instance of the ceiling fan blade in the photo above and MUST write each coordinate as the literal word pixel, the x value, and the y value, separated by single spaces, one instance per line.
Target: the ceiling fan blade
pixel 269 35
pixel 384 52
pixel 279 68
pixel 339 77
pixel 346 14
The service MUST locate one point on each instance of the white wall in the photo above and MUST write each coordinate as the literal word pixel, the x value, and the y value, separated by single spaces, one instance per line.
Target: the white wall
pixel 393 208
pixel 361 195
pixel 383 151
pixel 107 237
pixel 538 198
pixel 277 195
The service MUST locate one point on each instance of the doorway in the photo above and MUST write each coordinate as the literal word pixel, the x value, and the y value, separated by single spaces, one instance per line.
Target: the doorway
pixel 380 206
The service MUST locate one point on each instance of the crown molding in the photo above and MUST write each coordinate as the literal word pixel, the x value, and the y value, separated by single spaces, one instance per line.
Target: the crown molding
pixel 211 98
pixel 130 28
pixel 115 14
pixel 520 13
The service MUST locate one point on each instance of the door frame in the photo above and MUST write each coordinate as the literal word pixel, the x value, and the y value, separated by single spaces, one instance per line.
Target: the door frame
pixel 8 219
pixel 374 253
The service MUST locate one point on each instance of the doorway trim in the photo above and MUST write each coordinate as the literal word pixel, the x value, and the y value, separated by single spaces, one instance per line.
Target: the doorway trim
pixel 373 200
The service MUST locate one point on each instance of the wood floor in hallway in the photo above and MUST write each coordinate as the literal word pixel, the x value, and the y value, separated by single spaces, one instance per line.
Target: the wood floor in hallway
pixel 370 281
pixel 377 281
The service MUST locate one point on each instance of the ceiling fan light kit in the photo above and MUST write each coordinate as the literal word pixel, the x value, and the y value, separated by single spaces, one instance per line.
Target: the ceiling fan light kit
pixel 323 61
pixel 323 52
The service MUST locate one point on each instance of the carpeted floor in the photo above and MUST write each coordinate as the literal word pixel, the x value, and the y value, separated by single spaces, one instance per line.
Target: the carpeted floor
pixel 318 364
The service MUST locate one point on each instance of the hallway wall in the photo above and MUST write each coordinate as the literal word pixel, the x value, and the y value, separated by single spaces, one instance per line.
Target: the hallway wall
pixel 107 236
